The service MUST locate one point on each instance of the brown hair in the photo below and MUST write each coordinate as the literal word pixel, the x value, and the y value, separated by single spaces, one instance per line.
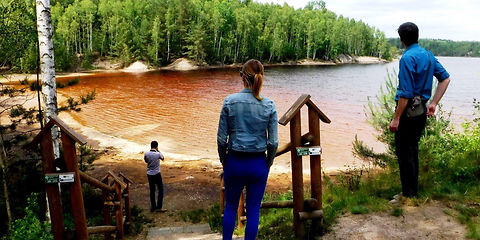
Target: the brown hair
pixel 252 75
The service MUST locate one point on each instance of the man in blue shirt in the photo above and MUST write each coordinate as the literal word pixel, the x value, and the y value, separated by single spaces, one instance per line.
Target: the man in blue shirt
pixel 416 71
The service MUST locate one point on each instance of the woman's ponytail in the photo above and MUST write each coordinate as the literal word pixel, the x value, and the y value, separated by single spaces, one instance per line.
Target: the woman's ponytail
pixel 253 70
pixel 257 86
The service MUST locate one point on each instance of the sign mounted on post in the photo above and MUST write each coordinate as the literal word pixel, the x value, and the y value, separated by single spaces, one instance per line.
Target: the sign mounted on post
pixel 309 151
pixel 66 177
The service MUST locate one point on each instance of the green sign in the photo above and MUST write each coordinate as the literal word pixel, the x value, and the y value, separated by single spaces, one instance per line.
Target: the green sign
pixel 51 178
pixel 306 151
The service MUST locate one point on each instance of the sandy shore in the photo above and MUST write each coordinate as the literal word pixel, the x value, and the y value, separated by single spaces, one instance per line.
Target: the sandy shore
pixel 183 64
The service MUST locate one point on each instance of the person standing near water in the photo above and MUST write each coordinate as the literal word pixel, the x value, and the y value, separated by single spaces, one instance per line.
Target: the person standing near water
pixel 416 71
pixel 246 129
pixel 152 158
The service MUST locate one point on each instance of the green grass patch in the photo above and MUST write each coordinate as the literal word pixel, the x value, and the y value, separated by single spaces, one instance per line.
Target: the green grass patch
pixel 397 212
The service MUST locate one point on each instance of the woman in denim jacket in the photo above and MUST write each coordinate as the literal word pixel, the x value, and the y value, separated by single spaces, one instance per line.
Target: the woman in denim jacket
pixel 247 128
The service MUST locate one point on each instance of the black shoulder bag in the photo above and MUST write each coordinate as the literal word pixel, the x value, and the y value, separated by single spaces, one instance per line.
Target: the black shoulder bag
pixel 415 105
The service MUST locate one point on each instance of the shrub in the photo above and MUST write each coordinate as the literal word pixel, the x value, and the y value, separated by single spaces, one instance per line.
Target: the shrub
pixel 30 226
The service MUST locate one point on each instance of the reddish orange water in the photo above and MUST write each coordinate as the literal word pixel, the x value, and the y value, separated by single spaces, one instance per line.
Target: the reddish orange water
pixel 181 110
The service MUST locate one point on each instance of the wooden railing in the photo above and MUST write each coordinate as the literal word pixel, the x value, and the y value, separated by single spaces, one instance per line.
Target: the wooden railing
pixel 115 189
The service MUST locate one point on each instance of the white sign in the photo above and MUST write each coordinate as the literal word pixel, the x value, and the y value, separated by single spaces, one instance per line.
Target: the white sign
pixel 66 178
pixel 315 151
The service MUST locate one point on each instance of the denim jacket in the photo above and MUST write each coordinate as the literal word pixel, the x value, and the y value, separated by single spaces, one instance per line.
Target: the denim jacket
pixel 247 125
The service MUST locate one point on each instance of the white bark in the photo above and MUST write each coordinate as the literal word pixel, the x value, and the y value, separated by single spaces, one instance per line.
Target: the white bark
pixel 47 65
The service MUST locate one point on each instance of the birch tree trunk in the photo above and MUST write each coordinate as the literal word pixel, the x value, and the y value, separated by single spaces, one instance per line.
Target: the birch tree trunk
pixel 47 65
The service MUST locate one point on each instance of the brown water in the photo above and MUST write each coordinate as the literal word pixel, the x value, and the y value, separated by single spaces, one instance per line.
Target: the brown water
pixel 181 109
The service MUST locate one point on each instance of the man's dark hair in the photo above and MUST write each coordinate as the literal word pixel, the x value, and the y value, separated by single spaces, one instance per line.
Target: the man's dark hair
pixel 408 33
pixel 154 144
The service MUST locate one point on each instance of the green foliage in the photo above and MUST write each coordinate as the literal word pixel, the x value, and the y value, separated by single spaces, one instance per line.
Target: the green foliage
pixel 211 215
pixel 73 104
pixel 89 97
pixel 70 83
pixel 30 227
pixel 440 47
pixel 397 212
pixel 359 209
pixel 206 31
pixel 86 157
pixel 138 219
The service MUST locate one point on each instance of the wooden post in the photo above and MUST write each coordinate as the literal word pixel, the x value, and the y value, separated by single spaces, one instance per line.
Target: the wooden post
pixel 118 212
pixel 126 195
pixel 222 194
pixel 315 167
pixel 76 198
pixel 54 199
pixel 297 175
pixel 106 212
pixel 315 160
pixel 241 211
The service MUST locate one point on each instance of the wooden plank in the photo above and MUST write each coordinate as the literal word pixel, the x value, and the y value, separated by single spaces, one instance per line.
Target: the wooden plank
pixel 297 175
pixel 36 140
pixel 315 160
pixel 294 109
pixel 101 229
pixel 85 177
pixel 310 215
pixel 76 197
pixel 66 129
pixel 53 194
pixel 321 115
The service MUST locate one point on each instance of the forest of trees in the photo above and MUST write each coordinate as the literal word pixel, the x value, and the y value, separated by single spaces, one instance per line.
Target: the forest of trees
pixel 206 31
pixel 441 47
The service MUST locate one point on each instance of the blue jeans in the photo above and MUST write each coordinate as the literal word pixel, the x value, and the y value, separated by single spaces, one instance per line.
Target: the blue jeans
pixel 250 171
pixel 155 181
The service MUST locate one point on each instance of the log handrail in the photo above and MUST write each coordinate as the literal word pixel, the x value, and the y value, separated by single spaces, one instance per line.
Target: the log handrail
pixel 85 177
pixel 115 179
pixel 125 178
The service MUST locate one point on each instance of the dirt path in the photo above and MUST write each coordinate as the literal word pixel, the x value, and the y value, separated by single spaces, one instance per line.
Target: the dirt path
pixel 189 185
pixel 192 185
pixel 424 222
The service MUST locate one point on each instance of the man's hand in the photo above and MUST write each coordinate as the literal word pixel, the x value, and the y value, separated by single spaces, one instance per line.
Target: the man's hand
pixel 394 125
pixel 431 109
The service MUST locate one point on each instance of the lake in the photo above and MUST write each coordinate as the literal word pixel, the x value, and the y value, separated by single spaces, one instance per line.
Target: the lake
pixel 180 109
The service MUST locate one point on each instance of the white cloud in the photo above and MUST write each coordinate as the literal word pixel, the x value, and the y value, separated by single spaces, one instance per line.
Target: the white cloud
pixel 444 19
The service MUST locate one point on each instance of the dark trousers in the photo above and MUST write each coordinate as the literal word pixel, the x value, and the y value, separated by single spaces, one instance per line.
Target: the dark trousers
pixel 244 171
pixel 406 143
pixel 155 181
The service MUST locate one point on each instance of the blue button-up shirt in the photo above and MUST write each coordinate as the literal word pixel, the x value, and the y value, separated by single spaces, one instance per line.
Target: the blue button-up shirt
pixel 247 125
pixel 414 71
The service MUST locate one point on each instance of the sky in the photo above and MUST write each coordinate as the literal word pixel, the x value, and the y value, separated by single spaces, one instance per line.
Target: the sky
pixel 457 20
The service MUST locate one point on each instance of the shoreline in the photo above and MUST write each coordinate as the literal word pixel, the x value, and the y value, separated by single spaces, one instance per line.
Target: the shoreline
pixel 183 64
